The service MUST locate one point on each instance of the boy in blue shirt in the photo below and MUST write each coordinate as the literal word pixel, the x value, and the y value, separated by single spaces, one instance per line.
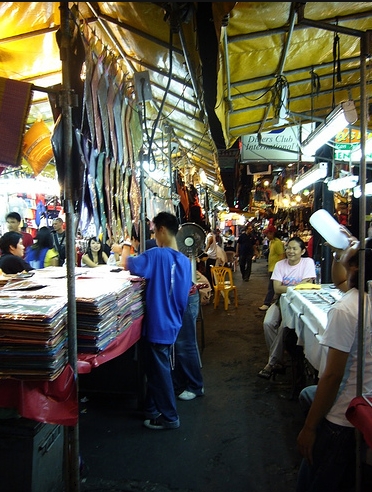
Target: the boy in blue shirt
pixel 168 282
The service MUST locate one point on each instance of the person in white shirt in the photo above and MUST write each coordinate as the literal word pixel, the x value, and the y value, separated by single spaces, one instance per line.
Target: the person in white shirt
pixel 210 250
pixel 293 270
pixel 327 439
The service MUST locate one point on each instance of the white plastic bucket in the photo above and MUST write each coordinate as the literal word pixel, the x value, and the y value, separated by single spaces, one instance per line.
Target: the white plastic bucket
pixel 330 230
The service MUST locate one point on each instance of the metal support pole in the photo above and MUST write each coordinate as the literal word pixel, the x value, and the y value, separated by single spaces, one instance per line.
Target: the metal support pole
pixel 71 433
pixel 364 54
pixel 142 212
pixel 170 160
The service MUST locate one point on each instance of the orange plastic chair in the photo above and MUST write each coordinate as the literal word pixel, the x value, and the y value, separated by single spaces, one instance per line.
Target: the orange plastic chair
pixel 223 282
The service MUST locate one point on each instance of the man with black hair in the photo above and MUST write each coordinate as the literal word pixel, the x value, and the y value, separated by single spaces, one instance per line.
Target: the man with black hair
pixel 59 239
pixel 168 283
pixel 13 220
pixel 245 251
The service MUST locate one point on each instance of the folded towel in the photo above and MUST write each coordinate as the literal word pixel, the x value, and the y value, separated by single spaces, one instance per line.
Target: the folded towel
pixel 307 286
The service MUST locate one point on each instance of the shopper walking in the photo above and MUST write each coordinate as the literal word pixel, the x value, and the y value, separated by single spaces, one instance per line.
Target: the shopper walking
pixel 245 251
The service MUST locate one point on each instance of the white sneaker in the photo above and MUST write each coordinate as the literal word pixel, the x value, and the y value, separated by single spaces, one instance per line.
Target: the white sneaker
pixel 187 395
pixel 263 307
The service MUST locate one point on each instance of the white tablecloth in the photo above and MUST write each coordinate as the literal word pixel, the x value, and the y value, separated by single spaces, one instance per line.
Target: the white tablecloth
pixel 305 311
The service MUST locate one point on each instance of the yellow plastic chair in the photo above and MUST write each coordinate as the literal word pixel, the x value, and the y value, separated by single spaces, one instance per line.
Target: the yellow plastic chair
pixel 223 282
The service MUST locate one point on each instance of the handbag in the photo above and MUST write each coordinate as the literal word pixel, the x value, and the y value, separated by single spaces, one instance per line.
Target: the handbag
pixel 359 413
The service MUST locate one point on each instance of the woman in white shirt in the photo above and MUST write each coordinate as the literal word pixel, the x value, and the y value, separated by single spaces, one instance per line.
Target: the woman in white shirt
pixel 211 251
pixel 293 270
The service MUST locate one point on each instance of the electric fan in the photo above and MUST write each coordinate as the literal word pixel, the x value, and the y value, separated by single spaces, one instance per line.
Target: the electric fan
pixel 191 242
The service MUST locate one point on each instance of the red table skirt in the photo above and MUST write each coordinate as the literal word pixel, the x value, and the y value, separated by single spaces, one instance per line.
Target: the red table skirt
pixel 56 402
pixel 86 362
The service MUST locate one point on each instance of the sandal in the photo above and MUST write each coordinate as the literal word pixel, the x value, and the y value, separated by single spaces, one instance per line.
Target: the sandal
pixel 266 373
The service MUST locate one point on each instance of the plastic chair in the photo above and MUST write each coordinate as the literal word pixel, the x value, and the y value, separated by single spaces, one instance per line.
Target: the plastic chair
pixel 231 260
pixel 223 282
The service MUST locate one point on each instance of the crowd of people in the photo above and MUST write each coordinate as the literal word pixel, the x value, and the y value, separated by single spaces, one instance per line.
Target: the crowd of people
pixel 20 252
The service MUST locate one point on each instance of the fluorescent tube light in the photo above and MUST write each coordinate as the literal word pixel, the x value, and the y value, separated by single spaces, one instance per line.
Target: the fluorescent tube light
pixel 367 189
pixel 318 171
pixel 343 115
pixel 344 183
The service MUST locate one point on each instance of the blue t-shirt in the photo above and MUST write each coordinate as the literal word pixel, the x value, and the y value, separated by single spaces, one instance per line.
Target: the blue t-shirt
pixel 35 261
pixel 168 282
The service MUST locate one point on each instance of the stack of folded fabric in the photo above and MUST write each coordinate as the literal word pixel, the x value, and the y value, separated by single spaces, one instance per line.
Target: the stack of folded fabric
pixel 97 318
pixel 124 299
pixel 137 304
pixel 33 337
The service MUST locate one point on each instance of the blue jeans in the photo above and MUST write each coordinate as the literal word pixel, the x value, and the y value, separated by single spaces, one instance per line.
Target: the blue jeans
pixel 187 374
pixel 333 455
pixel 160 397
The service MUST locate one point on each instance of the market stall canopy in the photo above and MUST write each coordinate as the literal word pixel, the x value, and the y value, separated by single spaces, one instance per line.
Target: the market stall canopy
pixel 279 64
pixel 154 44
pixel 289 63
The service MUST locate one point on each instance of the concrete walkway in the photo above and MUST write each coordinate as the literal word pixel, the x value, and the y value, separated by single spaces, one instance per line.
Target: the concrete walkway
pixel 239 437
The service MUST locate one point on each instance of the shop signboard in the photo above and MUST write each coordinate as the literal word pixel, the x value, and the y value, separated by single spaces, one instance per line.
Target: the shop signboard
pixel 273 146
pixel 347 146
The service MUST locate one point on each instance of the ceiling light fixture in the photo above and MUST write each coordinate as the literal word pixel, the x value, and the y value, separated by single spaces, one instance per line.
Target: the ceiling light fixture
pixel 318 171
pixel 367 190
pixel 344 183
pixel 343 115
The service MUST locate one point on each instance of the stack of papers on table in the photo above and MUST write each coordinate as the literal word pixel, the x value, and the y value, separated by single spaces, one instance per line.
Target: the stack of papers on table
pixel 33 336
pixel 137 305
pixel 104 310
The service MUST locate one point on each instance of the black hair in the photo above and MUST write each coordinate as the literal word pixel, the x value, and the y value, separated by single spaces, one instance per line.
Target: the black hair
pixel 167 220
pixel 44 239
pixel 8 239
pixel 14 215
pixel 99 253
pixel 354 261
pixel 301 243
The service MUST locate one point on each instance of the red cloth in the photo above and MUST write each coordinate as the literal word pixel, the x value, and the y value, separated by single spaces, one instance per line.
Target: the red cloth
pixel 56 402
pixel 359 413
pixel 15 101
pixel 52 402
pixel 86 362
